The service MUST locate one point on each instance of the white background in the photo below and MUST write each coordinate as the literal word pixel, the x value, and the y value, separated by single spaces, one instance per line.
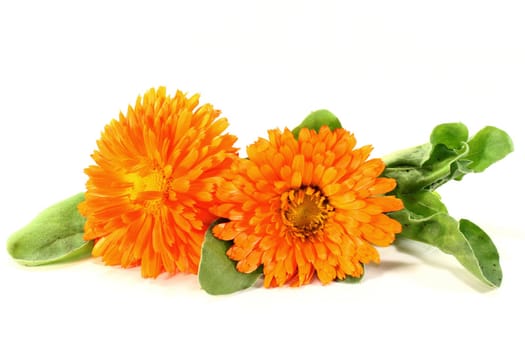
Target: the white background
pixel 391 70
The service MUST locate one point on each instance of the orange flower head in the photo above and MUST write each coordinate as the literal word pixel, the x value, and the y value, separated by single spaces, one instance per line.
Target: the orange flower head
pixel 156 173
pixel 312 205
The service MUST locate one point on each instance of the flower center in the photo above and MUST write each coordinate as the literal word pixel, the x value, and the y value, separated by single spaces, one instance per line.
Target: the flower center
pixel 305 211
pixel 149 190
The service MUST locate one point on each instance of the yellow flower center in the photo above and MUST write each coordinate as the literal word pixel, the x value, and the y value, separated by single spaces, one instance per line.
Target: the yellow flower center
pixel 149 190
pixel 305 211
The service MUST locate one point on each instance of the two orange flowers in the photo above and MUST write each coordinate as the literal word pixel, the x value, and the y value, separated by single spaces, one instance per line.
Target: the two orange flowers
pixel 299 207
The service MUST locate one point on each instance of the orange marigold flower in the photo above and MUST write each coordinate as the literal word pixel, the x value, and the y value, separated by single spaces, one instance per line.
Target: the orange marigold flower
pixel 157 169
pixel 308 205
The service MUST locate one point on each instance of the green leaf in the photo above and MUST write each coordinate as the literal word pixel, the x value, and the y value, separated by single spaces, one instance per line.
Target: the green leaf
pixel 452 135
pixel 440 167
pixel 423 204
pixel 409 157
pixel 217 273
pixel 420 170
pixel 316 120
pixel 426 220
pixel 448 156
pixel 54 236
pixel 488 146
pixel 486 252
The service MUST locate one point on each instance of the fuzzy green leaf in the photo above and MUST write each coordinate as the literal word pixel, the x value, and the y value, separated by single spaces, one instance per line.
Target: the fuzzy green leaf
pixel 452 135
pixel 448 156
pixel 485 251
pixel 316 120
pixel 217 273
pixel 54 236
pixel 426 220
pixel 420 170
pixel 488 146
